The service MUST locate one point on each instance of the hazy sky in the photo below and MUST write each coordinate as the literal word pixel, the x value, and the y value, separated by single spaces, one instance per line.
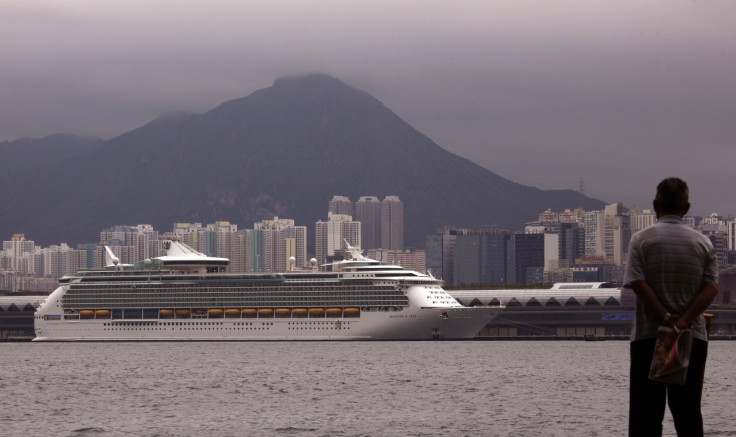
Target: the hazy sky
pixel 618 93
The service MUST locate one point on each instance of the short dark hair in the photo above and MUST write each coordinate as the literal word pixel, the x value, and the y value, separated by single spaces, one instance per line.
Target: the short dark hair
pixel 673 195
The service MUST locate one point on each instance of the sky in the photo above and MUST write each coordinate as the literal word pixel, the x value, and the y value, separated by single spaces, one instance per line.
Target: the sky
pixel 614 94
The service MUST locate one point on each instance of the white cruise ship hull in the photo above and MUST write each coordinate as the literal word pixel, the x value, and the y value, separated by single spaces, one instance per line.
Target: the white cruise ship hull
pixel 417 324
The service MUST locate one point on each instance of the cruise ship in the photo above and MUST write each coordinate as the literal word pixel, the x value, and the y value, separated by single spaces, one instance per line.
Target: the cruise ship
pixel 186 295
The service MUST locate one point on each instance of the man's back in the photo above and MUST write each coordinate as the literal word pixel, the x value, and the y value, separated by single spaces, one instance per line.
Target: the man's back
pixel 675 260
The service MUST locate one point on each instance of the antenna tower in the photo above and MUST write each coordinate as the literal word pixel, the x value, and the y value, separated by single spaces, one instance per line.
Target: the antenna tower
pixel 581 186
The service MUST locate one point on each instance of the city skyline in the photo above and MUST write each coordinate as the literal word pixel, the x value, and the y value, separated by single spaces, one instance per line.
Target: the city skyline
pixel 690 218
pixel 597 89
pixel 559 246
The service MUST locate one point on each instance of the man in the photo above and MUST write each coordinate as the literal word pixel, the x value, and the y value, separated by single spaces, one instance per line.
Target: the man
pixel 674 273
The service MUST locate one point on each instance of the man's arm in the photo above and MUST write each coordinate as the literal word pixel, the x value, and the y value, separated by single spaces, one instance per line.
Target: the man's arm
pixel 701 303
pixel 647 297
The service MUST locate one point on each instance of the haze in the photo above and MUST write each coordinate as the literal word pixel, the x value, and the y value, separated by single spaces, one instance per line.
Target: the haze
pixel 620 94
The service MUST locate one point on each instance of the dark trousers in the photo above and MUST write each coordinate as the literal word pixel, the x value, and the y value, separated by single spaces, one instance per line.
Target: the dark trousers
pixel 647 398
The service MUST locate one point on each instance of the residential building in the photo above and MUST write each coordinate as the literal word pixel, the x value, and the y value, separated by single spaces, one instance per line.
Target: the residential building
pixel 131 244
pixel 341 205
pixel 286 240
pixel 641 220
pixel 330 236
pixel 607 233
pixel 368 213
pixel 731 232
pixel 392 223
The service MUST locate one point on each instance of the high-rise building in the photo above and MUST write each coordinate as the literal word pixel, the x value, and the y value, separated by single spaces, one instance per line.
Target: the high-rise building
pixel 258 250
pixel 641 220
pixel 441 253
pixel 720 244
pixel 392 223
pixel 368 213
pixel 617 233
pixel 287 240
pixel 60 260
pixel 572 241
pixel 265 248
pixel 341 205
pixel 607 233
pixel 433 253
pixel 15 249
pixel 528 258
pixel 480 257
pixel 331 235
pixel 221 240
pixel 731 232
pixel 468 256
pixel 590 225
pixel 131 244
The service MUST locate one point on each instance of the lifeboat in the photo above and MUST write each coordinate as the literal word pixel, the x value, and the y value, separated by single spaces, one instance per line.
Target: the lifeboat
pixel 283 312
pixel 166 313
pixel 334 312
pixel 249 312
pixel 265 312
pixel 182 313
pixel 299 312
pixel 216 312
pixel 102 314
pixel 316 312
pixel 232 312
pixel 87 314
pixel 352 312
pixel 200 311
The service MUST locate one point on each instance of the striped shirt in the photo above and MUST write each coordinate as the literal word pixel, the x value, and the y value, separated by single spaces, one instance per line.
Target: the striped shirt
pixel 676 261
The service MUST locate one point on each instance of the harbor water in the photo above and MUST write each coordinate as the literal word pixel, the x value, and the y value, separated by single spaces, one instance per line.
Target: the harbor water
pixel 471 388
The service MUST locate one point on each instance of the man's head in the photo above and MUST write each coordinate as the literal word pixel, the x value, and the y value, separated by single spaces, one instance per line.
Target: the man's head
pixel 673 197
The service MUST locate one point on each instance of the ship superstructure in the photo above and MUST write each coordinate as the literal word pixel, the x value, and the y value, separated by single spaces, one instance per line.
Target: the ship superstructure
pixel 186 295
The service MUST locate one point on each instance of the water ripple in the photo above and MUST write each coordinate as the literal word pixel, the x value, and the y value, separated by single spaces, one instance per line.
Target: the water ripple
pixel 333 389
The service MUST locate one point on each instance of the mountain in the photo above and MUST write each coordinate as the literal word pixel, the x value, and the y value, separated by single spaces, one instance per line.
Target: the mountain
pixel 283 150
pixel 28 154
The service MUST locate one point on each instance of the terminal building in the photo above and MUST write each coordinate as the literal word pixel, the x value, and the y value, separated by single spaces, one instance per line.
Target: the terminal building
pixel 16 317
pixel 596 310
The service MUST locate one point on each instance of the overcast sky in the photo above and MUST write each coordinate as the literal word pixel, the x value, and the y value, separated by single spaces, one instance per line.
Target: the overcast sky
pixel 544 93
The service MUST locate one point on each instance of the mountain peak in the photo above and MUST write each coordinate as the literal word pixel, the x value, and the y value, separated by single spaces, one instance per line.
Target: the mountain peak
pixel 310 80
pixel 317 86
pixel 281 151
